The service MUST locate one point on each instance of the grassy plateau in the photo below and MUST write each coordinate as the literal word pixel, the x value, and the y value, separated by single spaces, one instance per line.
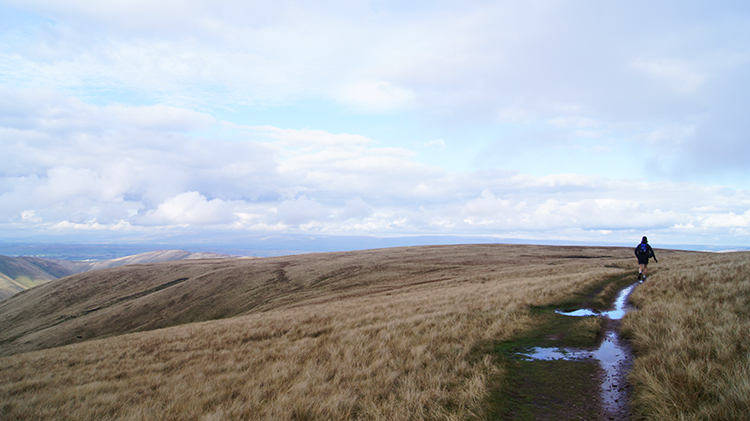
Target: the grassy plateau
pixel 392 334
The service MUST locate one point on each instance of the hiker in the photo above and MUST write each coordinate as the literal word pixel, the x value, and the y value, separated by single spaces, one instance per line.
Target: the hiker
pixel 643 252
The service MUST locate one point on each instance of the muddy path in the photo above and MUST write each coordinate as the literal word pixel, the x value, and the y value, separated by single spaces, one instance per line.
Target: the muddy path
pixel 574 367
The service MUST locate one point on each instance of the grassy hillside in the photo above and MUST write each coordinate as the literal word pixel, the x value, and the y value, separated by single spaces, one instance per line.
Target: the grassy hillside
pixel 20 273
pixel 154 257
pixel 145 297
pixel 383 334
pixel 9 287
pixel 692 338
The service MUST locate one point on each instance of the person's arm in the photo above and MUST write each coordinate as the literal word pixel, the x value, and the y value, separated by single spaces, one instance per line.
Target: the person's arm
pixel 654 256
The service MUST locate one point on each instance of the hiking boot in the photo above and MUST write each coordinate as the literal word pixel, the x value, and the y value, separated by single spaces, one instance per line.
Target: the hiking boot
pixel 640 275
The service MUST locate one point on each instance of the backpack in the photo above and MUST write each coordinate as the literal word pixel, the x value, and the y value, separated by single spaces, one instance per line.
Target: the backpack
pixel 643 248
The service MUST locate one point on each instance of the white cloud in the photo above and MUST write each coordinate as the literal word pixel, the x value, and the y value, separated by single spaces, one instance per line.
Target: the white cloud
pixel 300 211
pixel 305 138
pixel 189 208
pixel 544 105
pixel 575 122
pixel 375 96
pixel 439 144
pixel 30 216
pixel 92 225
pixel 306 180
pixel 538 213
pixel 489 206
pixel 675 73
pixel 454 64
pixel 513 114
pixel 159 117
pixel 356 209
pixel 727 220
pixel 49 112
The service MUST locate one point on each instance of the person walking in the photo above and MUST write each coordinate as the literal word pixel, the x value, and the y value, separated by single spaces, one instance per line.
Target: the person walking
pixel 643 252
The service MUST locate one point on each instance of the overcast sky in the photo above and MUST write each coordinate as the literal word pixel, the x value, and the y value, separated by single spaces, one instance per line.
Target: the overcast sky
pixel 548 120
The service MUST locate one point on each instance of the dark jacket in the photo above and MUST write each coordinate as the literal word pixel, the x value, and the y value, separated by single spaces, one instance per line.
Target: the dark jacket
pixel 644 256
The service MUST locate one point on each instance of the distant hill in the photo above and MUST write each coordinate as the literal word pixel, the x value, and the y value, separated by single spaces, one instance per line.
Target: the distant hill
pixel 20 273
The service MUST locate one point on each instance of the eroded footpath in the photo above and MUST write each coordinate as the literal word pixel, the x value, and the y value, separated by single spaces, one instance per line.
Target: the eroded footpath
pixel 575 366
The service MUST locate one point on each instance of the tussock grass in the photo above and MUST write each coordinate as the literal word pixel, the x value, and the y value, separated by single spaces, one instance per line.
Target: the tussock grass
pixel 402 334
pixel 692 339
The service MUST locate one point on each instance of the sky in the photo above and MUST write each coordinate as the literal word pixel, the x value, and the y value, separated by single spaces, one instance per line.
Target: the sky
pixel 581 121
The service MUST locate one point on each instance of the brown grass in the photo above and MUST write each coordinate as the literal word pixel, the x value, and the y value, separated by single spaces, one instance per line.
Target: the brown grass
pixel 692 339
pixel 396 334
pixel 146 297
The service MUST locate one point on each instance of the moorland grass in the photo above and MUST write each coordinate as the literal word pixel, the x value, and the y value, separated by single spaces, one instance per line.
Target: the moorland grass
pixel 691 334
pixel 405 346
pixel 418 349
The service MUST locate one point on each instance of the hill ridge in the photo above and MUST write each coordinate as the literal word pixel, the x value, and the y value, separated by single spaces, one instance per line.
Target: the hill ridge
pixel 20 273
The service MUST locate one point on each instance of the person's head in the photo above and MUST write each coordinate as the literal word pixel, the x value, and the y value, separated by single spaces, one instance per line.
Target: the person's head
pixel 644 239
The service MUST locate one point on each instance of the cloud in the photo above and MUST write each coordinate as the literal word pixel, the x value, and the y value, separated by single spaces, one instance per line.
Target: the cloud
pixel 676 74
pixel 53 113
pixel 305 138
pixel 300 211
pixel 268 178
pixel 593 212
pixel 488 206
pixel 159 117
pixel 356 209
pixel 562 117
pixel 65 157
pixel 439 144
pixel 342 165
pixel 728 220
pixel 189 208
pixel 375 96
pixel 632 69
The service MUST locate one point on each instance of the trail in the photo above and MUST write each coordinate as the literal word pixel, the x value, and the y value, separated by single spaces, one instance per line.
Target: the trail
pixel 570 367
pixel 613 354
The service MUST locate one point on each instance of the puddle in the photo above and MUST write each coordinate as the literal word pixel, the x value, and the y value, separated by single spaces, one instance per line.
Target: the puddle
pixel 578 313
pixel 618 313
pixel 550 354
pixel 621 306
pixel 612 355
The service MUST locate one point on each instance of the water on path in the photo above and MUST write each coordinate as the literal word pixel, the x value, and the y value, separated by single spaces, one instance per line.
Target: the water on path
pixel 613 356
